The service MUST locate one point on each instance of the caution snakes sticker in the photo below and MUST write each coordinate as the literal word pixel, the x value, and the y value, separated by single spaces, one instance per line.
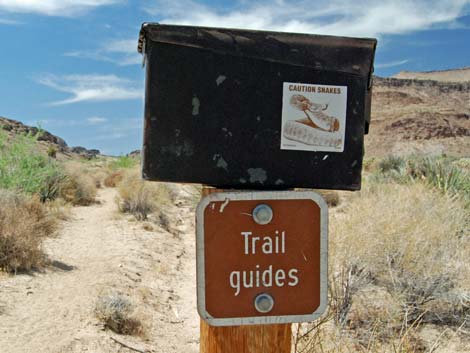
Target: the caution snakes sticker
pixel 313 117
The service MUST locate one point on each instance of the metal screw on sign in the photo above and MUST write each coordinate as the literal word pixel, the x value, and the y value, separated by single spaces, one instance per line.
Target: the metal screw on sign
pixel 263 214
pixel 264 303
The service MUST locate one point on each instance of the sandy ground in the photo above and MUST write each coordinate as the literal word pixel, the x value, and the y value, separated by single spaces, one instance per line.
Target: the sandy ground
pixel 99 252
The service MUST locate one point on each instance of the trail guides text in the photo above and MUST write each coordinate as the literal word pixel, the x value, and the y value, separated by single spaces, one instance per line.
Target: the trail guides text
pixel 263 277
pixel 313 117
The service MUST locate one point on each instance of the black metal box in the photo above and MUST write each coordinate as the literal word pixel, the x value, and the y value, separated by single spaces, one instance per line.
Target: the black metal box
pixel 255 110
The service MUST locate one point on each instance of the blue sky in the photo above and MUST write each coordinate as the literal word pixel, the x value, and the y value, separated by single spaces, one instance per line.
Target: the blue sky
pixel 72 65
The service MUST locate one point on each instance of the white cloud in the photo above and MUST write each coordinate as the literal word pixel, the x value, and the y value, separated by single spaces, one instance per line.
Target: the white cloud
pixel 96 120
pixel 120 128
pixel 61 122
pixel 121 52
pixel 63 8
pixel 7 21
pixel 335 17
pixel 391 64
pixel 93 87
pixel 121 46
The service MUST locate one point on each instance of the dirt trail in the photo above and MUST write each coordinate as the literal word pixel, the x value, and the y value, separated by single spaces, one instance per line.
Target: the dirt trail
pixel 97 252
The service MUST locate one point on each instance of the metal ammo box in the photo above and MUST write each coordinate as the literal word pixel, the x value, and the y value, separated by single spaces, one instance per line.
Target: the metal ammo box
pixel 253 109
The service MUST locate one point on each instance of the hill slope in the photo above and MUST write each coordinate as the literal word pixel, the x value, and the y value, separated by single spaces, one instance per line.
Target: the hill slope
pixel 46 140
pixel 419 116
pixel 456 75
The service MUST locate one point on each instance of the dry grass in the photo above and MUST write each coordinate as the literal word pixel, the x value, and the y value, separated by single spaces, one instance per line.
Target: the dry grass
pixel 324 337
pixel 98 175
pixel 141 198
pixel 398 261
pixel 78 188
pixel 112 180
pixel 24 224
pixel 59 209
pixel 117 313
pixel 408 240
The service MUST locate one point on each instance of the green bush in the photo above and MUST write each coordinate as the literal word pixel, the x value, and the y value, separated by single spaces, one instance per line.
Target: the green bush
pixel 391 164
pixel 441 173
pixel 123 162
pixel 52 152
pixel 23 168
pixel 444 173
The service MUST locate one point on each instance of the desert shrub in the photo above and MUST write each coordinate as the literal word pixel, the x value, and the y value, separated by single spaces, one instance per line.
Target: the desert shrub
pixel 409 240
pixel 50 189
pixel 52 151
pixel 117 314
pixel 369 163
pixel 463 164
pixel 123 162
pixel 391 164
pixel 77 187
pixel 141 198
pixel 112 180
pixel 447 174
pixel 97 169
pixel 98 176
pixel 24 169
pixel 398 259
pixel 24 224
pixel 442 174
pixel 59 209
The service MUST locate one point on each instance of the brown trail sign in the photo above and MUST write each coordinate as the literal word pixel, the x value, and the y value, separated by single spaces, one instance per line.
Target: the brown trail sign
pixel 261 257
pixel 275 338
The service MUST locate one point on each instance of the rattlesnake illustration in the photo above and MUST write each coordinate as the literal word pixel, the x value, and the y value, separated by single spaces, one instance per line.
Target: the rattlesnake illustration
pixel 319 129
pixel 314 112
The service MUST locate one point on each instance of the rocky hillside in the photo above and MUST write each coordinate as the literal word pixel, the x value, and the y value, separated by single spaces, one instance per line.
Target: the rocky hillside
pixel 420 115
pixel 46 139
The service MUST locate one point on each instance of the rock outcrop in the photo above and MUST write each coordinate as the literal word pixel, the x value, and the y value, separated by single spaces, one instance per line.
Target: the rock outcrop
pixel 85 153
pixel 17 128
pixel 444 87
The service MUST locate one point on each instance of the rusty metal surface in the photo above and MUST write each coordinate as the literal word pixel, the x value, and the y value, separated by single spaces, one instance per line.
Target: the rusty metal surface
pixel 214 98
pixel 326 53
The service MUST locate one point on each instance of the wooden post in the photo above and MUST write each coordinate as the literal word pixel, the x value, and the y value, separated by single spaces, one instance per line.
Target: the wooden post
pixel 244 339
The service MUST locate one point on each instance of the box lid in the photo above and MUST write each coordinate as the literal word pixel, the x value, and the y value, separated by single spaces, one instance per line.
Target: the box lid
pixel 353 56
